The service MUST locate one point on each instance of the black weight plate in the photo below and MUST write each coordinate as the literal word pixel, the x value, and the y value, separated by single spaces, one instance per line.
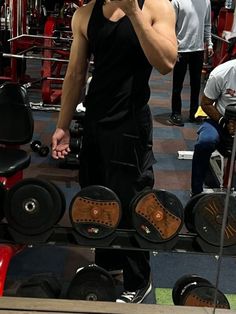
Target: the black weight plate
pixel 2 199
pixel 45 285
pixel 208 217
pixel 188 211
pixel 95 212
pixel 32 206
pixel 203 295
pixel 157 215
pixel 63 201
pixel 92 283
pixel 183 283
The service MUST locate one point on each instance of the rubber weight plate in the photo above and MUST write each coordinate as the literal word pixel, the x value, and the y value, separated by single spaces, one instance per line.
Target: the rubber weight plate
pixel 157 215
pixel 95 212
pixel 188 212
pixel 63 201
pixel 45 285
pixel 92 283
pixel 184 283
pixel 208 217
pixel 203 295
pixel 32 206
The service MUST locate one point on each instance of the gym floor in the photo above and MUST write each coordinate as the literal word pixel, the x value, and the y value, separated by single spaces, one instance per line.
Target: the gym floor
pixel 171 174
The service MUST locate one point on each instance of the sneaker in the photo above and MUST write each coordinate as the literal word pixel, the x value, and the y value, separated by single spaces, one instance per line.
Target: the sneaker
pixel 197 120
pixel 176 119
pixel 135 296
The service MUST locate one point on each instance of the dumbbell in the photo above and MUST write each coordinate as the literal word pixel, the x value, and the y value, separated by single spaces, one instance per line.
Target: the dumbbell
pixel 37 147
pixel 75 144
pixel 45 285
pixel 193 290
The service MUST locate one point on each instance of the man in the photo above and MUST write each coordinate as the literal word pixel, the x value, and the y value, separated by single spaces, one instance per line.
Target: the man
pixel 193 29
pixel 219 92
pixel 126 39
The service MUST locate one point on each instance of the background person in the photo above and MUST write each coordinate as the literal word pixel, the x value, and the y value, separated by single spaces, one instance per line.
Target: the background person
pixel 193 30
pixel 219 92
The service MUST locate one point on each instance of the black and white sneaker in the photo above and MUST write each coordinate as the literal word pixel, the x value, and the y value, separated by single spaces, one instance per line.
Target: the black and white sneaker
pixel 176 119
pixel 135 296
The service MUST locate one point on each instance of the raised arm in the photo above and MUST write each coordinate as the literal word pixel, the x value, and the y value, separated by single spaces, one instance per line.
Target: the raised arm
pixel 155 28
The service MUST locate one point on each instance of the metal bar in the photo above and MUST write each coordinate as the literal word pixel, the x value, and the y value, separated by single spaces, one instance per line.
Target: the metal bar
pixel 55 78
pixel 10 55
pixel 220 38
pixel 39 36
pixel 42 48
pixel 44 107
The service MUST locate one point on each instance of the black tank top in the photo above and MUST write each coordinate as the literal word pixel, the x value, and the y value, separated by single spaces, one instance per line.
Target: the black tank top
pixel 121 70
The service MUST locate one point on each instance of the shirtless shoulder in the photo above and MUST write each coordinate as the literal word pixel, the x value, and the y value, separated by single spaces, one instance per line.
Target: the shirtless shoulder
pixel 159 9
pixel 81 17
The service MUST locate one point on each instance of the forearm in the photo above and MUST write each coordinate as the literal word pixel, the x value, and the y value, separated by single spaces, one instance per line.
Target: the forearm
pixel 160 50
pixel 209 108
pixel 72 91
pixel 207 29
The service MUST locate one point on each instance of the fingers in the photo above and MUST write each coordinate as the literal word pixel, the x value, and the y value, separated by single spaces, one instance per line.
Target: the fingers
pixel 60 154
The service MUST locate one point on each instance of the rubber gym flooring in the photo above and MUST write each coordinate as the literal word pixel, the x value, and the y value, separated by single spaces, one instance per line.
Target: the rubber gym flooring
pixel 171 174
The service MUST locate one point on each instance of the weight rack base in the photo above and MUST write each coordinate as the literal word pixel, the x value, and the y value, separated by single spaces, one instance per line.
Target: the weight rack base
pixel 121 239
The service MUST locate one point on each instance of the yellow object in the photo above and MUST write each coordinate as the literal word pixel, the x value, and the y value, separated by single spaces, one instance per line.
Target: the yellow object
pixel 200 113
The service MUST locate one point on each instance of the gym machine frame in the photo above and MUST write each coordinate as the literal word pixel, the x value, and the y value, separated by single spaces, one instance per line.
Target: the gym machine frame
pixel 54 49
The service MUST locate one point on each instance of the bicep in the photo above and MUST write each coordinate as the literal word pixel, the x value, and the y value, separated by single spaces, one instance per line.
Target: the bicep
pixel 78 59
pixel 164 22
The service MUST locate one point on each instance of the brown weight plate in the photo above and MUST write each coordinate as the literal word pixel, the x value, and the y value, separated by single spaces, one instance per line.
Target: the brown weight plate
pixel 157 215
pixel 95 212
pixel 203 295
pixel 184 283
pixel 208 218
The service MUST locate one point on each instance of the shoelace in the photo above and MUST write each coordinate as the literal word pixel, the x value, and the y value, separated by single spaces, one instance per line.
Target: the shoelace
pixel 128 295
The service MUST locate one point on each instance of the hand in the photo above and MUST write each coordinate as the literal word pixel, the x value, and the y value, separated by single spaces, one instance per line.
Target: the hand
pixel 127 6
pixel 210 52
pixel 60 143
pixel 231 127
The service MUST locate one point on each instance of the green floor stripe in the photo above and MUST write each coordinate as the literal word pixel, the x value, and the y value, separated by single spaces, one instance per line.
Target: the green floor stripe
pixel 164 297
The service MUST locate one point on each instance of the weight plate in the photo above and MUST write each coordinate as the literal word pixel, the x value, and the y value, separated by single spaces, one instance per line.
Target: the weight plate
pixel 203 295
pixel 63 201
pixel 95 212
pixel 188 211
pixel 157 215
pixel 92 283
pixel 183 283
pixel 45 285
pixel 208 217
pixel 32 206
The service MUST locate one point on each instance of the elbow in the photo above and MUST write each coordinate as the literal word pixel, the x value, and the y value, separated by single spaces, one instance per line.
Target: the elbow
pixel 167 67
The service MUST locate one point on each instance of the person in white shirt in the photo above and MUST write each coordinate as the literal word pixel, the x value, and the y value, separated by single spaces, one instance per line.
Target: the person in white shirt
pixel 219 92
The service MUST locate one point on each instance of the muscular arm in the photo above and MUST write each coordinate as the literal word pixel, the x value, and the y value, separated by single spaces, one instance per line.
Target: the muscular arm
pixel 74 81
pixel 155 29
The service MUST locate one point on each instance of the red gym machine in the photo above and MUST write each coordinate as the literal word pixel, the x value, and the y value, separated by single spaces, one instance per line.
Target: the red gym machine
pixel 32 32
